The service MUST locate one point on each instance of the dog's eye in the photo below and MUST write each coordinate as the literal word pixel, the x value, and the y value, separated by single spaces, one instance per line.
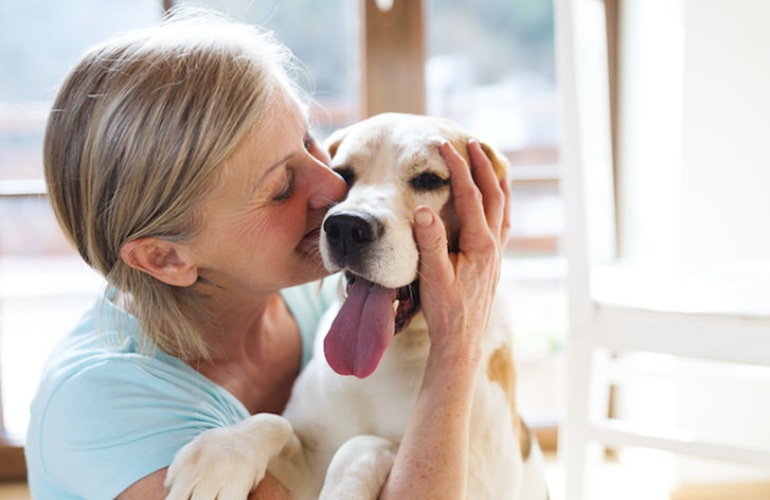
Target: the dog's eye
pixel 428 181
pixel 347 175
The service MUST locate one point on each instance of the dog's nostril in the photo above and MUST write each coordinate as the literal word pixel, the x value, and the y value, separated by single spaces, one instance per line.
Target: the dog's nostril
pixel 332 229
pixel 350 231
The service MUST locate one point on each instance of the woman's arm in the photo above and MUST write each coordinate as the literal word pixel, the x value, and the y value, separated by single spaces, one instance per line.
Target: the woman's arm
pixel 456 292
pixel 151 487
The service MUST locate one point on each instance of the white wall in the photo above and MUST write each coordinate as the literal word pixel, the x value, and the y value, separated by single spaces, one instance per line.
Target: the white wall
pixel 725 196
pixel 726 130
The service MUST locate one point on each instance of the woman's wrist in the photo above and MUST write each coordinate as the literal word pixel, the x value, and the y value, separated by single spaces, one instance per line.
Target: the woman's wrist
pixel 459 345
pixel 452 370
pixel 455 355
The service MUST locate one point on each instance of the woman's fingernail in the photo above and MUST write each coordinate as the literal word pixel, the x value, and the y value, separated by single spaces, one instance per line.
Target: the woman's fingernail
pixel 423 218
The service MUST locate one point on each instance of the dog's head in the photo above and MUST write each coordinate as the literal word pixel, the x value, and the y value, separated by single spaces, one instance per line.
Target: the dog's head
pixel 392 165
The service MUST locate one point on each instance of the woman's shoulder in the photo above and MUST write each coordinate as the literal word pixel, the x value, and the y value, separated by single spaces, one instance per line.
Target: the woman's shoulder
pixel 125 417
pixel 103 402
pixel 103 365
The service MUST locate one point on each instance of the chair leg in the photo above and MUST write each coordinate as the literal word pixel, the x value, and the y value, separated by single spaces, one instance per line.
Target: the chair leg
pixel 587 400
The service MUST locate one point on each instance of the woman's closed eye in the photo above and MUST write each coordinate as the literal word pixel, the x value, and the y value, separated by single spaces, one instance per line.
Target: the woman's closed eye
pixel 286 188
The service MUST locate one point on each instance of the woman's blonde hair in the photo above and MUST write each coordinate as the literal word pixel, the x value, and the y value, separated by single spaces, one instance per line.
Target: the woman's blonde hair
pixel 134 142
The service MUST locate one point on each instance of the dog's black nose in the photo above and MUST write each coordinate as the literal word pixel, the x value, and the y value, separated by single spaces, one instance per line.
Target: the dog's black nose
pixel 348 234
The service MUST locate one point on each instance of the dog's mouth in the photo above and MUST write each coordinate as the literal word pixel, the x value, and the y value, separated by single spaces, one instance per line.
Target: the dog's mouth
pixel 366 323
pixel 406 304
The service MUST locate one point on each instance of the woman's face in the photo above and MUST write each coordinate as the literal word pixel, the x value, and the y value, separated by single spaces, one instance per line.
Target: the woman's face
pixel 260 227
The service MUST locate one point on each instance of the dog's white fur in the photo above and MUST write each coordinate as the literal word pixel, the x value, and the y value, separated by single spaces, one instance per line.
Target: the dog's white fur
pixel 352 426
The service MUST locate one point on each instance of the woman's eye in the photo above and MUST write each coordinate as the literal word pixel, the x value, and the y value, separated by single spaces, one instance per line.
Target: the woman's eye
pixel 287 188
pixel 428 181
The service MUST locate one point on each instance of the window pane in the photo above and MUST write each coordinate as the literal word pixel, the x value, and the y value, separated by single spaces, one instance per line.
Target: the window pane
pixel 491 68
pixel 39 42
pixel 323 36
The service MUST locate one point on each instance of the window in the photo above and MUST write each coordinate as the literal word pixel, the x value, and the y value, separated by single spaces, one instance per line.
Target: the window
pixel 324 38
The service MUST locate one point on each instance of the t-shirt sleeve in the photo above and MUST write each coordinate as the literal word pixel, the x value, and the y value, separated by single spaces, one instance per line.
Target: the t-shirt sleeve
pixel 114 423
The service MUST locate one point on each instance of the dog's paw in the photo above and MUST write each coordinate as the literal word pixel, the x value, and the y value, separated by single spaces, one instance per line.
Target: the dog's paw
pixel 359 469
pixel 227 463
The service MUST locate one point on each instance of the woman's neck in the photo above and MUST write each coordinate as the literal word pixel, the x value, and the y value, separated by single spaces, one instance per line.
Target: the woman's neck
pixel 256 353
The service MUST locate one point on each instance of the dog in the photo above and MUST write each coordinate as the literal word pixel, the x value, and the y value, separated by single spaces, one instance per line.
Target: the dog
pixel 339 434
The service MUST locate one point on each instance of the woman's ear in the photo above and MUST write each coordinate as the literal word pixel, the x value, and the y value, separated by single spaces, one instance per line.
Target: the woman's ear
pixel 160 259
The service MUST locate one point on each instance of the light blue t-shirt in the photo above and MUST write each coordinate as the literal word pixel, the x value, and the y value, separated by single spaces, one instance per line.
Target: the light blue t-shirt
pixel 107 413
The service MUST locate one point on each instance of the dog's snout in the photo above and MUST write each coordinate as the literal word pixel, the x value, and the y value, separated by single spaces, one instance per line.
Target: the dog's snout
pixel 347 234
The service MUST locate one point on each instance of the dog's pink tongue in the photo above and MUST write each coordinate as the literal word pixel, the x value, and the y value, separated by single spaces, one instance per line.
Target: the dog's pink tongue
pixel 362 330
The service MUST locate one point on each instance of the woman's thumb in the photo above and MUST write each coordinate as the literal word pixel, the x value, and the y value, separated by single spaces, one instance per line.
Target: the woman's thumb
pixel 431 240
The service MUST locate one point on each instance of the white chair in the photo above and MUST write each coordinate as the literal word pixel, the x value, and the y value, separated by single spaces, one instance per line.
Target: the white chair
pixel 618 308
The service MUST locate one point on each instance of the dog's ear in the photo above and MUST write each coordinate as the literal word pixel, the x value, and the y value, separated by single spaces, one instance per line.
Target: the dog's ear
pixel 499 162
pixel 334 141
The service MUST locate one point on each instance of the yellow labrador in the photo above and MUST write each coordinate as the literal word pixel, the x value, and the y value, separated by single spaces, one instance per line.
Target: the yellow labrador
pixel 350 406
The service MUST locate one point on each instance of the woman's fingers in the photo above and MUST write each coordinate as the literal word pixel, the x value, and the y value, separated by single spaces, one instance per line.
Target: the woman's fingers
pixel 431 240
pixel 491 191
pixel 467 197
pixel 505 185
pixel 479 197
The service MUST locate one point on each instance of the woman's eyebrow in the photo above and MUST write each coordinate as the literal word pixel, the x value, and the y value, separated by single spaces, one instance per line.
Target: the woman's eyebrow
pixel 269 170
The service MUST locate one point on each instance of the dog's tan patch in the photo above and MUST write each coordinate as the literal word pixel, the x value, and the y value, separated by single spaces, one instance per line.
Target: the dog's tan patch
pixel 501 370
pixel 499 162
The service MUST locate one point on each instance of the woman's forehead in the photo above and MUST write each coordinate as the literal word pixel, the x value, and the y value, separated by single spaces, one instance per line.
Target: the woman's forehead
pixel 276 135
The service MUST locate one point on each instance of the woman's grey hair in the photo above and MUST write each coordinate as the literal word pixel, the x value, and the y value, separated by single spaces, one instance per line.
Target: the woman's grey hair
pixel 136 138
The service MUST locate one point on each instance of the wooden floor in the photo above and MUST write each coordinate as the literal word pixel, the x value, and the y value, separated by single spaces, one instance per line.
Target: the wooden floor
pixel 14 491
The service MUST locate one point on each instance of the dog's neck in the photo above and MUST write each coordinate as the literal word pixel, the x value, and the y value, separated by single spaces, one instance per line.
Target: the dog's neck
pixel 414 337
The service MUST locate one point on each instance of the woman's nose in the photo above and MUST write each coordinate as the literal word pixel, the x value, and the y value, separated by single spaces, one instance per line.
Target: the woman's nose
pixel 328 187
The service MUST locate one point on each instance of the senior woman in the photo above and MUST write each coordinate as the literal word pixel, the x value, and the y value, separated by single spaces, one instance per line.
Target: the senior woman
pixel 180 165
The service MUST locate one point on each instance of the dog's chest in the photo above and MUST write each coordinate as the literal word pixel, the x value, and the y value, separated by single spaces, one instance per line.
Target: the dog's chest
pixel 384 401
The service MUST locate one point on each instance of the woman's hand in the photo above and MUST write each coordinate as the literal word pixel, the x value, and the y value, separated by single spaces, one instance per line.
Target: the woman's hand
pixel 456 290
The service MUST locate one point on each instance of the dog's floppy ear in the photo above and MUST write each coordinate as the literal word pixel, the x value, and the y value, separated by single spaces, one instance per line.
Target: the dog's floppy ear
pixel 334 140
pixel 499 162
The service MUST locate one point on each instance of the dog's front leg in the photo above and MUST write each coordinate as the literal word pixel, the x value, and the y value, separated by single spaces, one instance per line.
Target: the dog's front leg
pixel 227 462
pixel 359 469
